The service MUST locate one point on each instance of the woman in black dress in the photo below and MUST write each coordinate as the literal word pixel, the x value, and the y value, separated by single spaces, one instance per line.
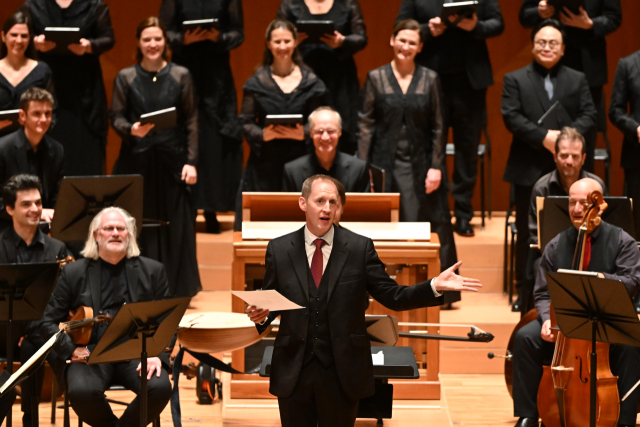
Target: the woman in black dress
pixel 401 131
pixel 331 56
pixel 165 158
pixel 19 69
pixel 283 85
pixel 205 53
pixel 81 111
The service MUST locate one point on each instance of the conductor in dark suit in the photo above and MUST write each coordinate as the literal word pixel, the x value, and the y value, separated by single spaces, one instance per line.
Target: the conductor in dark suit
pixel 321 362
pixel 527 94
pixel 112 274
pixel 325 127
pixel 24 243
pixel 586 47
pixel 30 150
pixel 459 54
pixel 624 112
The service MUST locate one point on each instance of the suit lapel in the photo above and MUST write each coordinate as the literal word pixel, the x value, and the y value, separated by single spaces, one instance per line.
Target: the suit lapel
pixel 132 266
pixel 636 60
pixel 47 160
pixel 298 257
pixel 94 284
pixel 538 89
pixel 10 249
pixel 337 260
pixel 558 89
pixel 20 156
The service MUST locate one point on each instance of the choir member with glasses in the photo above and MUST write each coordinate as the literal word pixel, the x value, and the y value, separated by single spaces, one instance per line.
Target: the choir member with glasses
pixel 205 53
pixel 166 158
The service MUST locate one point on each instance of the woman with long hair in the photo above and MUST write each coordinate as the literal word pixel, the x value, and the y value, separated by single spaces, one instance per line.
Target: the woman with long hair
pixel 165 158
pixel 19 69
pixel 401 131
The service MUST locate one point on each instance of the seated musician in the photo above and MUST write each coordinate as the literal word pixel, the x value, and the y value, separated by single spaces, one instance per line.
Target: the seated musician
pixel 614 253
pixel 112 273
pixel 569 157
pixel 24 243
pixel 325 127
pixel 30 150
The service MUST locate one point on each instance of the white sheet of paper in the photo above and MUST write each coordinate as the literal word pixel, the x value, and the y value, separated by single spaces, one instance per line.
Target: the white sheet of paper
pixel 271 300
pixel 378 358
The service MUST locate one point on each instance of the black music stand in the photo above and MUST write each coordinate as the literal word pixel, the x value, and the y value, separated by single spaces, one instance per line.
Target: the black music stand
pixel 140 330
pixel 25 290
pixel 593 309
pixel 81 198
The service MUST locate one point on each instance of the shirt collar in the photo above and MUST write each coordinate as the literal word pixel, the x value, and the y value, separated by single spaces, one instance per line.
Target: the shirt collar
pixel 544 71
pixel 309 237
pixel 38 238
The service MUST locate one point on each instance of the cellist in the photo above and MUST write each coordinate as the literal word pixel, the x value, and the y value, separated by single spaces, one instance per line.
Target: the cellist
pixel 608 250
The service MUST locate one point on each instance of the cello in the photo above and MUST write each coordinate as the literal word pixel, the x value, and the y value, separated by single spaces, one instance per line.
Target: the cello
pixel 565 385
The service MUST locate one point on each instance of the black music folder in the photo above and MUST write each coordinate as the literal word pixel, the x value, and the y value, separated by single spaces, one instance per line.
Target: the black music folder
pixel 464 9
pixel 11 115
pixel 572 5
pixel 315 29
pixel 62 37
pixel 205 24
pixel 162 119
pixel 555 118
pixel 283 119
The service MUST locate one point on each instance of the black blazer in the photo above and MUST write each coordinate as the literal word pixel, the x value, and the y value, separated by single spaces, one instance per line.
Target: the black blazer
pixel 478 65
pixel 354 269
pixel 352 172
pixel 79 284
pixel 524 101
pixel 13 160
pixel 624 110
pixel 54 249
pixel 586 50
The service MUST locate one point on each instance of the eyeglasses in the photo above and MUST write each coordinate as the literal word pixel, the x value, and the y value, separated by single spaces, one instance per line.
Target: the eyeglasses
pixel 109 229
pixel 553 44
pixel 320 132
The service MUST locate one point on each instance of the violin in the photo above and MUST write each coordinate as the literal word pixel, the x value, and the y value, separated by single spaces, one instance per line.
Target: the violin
pixel 563 395
pixel 79 325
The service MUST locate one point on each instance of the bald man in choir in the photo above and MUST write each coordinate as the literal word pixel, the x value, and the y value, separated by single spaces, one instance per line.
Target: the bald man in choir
pixel 112 274
pixel 325 128
pixel 30 150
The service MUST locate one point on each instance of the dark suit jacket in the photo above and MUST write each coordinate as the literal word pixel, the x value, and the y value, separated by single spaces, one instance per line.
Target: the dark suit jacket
pixel 13 160
pixel 524 101
pixel 354 269
pixel 624 110
pixel 352 172
pixel 586 50
pixel 478 66
pixel 79 284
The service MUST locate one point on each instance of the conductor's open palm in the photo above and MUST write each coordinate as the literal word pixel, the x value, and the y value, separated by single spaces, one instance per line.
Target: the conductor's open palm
pixel 448 280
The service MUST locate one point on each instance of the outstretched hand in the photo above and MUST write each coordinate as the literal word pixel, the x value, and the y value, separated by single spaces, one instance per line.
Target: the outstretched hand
pixel 448 280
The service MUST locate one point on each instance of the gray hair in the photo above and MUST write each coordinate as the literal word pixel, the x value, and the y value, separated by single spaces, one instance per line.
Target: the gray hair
pixel 91 246
pixel 320 109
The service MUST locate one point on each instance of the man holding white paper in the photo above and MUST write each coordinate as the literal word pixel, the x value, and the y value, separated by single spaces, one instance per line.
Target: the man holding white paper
pixel 321 363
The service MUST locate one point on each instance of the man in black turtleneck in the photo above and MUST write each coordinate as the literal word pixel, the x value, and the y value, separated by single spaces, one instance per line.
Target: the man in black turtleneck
pixel 528 93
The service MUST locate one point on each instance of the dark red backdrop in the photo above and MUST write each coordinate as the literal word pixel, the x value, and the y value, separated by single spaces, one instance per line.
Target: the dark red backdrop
pixel 508 52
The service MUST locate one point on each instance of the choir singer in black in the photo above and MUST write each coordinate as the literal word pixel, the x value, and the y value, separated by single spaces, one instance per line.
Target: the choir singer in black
pixel 321 362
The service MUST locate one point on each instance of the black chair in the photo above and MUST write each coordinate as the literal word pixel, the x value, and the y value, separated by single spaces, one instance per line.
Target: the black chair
pixel 484 150
pixel 510 230
pixel 377 176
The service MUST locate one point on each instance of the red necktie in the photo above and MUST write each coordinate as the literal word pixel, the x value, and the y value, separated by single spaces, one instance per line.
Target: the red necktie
pixel 316 262
pixel 587 254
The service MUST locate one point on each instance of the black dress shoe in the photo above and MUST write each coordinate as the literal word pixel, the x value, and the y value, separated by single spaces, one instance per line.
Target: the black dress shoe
pixel 463 228
pixel 527 422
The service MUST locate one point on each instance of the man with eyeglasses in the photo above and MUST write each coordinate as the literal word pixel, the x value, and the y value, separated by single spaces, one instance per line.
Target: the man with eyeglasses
pixel 24 243
pixel 325 128
pixel 111 274
pixel 529 93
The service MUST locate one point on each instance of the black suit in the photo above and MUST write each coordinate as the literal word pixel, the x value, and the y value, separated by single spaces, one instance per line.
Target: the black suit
pixel 353 269
pixel 461 59
pixel 80 284
pixel 352 172
pixel 624 113
pixel 524 101
pixel 14 160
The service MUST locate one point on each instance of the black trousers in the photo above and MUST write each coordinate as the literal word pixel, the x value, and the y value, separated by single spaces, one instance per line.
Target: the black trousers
pixel 32 385
pixel 464 111
pixel 522 199
pixel 87 384
pixel 6 403
pixel 530 352
pixel 318 400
